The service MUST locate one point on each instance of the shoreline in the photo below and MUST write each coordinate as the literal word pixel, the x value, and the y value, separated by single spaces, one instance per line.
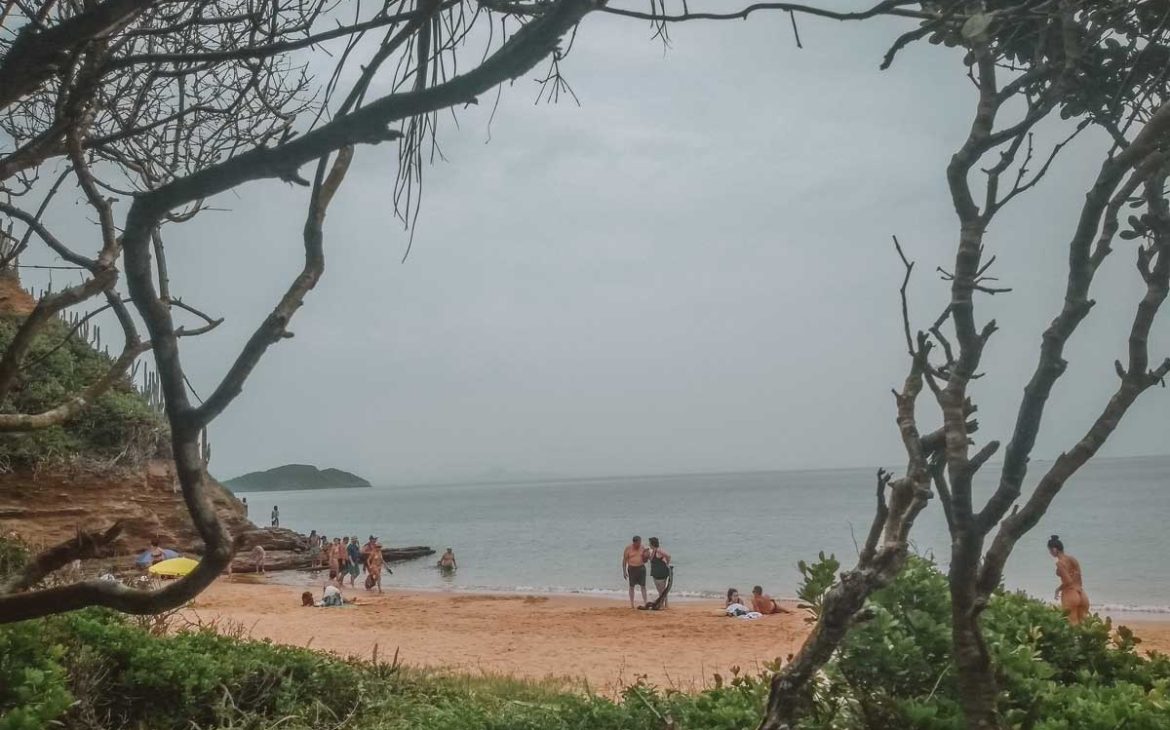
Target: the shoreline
pixel 307 578
pixel 581 641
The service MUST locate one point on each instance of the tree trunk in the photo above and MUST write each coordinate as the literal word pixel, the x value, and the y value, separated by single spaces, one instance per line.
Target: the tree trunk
pixel 977 686
pixel 977 690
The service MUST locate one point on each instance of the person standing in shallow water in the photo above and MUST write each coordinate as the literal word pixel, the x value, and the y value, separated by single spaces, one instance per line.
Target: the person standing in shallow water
pixel 1071 591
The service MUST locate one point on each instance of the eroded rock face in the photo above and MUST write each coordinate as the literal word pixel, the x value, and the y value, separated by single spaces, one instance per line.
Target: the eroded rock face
pixel 46 507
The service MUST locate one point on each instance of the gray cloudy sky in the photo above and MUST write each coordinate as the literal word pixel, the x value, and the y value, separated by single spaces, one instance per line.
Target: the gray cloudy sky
pixel 692 271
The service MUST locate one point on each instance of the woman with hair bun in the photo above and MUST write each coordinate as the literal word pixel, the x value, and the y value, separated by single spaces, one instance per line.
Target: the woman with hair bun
pixel 1071 591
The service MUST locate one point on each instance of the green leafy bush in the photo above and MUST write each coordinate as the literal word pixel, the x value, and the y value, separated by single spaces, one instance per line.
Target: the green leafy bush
pixel 895 670
pixel 95 669
pixel 119 425
pixel 32 680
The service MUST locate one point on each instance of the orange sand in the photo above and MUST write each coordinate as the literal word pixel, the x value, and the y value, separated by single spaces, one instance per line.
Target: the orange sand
pixel 599 640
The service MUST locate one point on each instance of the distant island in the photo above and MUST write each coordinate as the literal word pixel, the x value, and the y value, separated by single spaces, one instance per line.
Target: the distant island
pixel 295 476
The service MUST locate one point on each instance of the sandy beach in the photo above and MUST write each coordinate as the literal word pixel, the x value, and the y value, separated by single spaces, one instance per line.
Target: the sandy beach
pixel 571 638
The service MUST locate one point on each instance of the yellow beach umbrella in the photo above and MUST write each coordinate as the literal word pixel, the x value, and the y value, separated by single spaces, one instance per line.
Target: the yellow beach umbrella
pixel 174 567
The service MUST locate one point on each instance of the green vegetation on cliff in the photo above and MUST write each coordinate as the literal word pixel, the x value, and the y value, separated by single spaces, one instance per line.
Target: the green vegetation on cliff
pixel 118 427
pixel 295 476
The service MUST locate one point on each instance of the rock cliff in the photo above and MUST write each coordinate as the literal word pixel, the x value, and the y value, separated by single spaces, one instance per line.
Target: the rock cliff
pixel 47 506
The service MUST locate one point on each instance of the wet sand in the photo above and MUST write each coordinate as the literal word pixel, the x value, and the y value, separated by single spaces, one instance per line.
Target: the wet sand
pixel 600 641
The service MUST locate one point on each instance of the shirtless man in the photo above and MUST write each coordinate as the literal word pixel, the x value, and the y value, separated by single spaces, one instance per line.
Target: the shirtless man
pixel 764 603
pixel 447 561
pixel 634 567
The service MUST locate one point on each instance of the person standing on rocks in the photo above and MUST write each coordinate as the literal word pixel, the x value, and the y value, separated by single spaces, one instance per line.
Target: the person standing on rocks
pixel 275 516
pixel 314 550
pixel 245 501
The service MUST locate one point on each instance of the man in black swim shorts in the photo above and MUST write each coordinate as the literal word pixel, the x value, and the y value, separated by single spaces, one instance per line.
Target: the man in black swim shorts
pixel 634 567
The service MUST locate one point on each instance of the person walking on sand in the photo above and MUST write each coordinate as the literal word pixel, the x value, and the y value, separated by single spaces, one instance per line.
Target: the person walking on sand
pixel 374 565
pixel 258 558
pixel 354 551
pixel 764 603
pixel 634 567
pixel 660 571
pixel 1071 591
pixel 275 516
pixel 367 550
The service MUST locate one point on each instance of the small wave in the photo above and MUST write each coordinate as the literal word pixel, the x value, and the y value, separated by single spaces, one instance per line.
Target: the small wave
pixel 1128 608
pixel 549 590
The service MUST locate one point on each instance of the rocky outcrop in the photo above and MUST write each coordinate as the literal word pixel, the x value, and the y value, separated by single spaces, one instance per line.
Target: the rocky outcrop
pixel 14 300
pixel 46 507
pixel 288 550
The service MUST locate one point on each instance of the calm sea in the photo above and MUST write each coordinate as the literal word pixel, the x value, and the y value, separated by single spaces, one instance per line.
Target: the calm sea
pixel 730 529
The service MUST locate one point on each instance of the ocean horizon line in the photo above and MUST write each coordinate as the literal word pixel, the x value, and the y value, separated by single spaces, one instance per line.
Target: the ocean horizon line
pixel 555 479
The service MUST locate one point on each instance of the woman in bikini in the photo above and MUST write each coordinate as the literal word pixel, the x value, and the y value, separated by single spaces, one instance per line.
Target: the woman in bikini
pixel 1071 591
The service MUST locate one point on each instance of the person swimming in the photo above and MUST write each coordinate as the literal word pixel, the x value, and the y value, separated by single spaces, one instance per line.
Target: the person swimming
pixel 1071 591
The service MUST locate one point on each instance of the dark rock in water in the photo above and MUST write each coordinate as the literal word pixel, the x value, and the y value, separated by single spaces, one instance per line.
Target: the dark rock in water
pixel 285 549
pixel 398 555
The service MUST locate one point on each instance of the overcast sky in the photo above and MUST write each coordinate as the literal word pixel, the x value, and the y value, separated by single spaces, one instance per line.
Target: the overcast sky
pixel 692 271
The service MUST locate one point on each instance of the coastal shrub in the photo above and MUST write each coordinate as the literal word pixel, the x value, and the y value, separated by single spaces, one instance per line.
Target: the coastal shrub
pixel 118 426
pixel 96 669
pixel 895 669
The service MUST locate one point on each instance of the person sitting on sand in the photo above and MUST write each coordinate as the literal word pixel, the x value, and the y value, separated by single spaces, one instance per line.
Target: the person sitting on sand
pixel 660 571
pixel 374 564
pixel 307 600
pixel 1071 591
pixel 157 554
pixel 634 567
pixel 332 597
pixel 734 606
pixel 447 562
pixel 764 603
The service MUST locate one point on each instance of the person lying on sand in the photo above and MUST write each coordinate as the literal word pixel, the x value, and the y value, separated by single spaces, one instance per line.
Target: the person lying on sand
pixel 764 603
pixel 735 608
